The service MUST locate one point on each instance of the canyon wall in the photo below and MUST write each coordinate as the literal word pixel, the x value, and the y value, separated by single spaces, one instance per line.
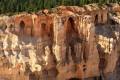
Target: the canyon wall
pixel 63 43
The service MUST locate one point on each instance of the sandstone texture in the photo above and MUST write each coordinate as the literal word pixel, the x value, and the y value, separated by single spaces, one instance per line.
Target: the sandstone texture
pixel 62 43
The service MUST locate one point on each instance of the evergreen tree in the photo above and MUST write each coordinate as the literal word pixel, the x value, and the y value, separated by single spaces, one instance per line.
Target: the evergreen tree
pixel 81 2
pixel 11 6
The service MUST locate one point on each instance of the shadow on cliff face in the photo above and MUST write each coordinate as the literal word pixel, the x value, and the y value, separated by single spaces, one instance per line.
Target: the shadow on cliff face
pixel 44 75
pixel 74 79
pixel 115 75
pixel 71 40
pixel 105 31
pixel 33 77
pixel 102 56
pixel 106 39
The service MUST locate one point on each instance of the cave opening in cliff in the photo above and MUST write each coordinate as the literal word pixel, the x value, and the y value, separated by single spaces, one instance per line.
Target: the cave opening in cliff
pixel 43 26
pixel 112 22
pixel 84 68
pixel 51 29
pixel 96 19
pixel 74 79
pixel 71 34
pixel 101 18
pixel 51 32
pixel 11 26
pixel 22 25
pixel 3 26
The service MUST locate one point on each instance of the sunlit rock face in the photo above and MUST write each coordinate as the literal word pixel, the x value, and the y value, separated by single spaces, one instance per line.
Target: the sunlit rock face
pixel 70 43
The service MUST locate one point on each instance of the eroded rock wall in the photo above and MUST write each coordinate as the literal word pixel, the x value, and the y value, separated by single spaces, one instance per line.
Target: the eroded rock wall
pixel 73 44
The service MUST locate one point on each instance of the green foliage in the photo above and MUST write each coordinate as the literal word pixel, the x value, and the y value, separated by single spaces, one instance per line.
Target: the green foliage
pixel 16 6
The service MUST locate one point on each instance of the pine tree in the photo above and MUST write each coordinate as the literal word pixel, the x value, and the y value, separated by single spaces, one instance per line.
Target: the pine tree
pixel 100 1
pixel 81 2
pixel 8 6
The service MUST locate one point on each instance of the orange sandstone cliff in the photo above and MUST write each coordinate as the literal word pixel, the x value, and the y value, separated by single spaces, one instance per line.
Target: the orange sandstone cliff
pixel 63 43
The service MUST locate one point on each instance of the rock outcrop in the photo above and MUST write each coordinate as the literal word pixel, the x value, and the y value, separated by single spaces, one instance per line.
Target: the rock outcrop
pixel 63 43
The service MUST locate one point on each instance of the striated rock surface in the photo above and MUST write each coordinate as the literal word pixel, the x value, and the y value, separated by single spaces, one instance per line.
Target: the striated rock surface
pixel 63 43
